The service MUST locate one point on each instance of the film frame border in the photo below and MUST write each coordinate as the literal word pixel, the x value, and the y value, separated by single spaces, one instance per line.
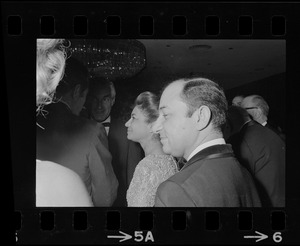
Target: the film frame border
pixel 195 13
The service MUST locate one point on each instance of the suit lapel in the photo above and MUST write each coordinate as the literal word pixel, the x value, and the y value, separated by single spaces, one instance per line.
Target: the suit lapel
pixel 210 151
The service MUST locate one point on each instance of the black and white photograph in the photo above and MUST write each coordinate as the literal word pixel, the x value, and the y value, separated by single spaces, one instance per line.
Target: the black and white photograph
pixel 160 123
pixel 155 123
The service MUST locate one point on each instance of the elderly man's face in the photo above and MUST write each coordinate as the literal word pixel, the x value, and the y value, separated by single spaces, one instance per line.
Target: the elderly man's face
pixel 176 130
pixel 101 104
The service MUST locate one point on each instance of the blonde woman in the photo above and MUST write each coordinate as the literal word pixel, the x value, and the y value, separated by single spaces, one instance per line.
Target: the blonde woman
pixel 56 186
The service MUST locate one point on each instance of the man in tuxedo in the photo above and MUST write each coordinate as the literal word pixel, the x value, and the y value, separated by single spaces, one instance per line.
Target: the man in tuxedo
pixel 262 152
pixel 258 109
pixel 75 142
pixel 125 153
pixel 192 113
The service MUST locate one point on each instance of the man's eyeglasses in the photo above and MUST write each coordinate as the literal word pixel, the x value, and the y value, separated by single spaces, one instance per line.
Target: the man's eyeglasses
pixel 250 108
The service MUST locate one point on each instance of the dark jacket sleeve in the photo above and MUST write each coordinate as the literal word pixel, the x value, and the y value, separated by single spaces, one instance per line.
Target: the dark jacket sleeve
pixel 170 194
pixel 264 162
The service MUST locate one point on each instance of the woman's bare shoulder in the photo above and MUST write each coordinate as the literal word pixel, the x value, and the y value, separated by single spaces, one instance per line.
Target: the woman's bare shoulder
pixel 62 185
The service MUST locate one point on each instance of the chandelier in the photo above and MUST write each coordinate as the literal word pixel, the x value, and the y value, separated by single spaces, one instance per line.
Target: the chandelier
pixel 110 58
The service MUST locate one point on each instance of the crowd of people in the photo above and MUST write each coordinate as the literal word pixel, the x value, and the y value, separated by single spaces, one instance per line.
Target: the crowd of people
pixel 183 148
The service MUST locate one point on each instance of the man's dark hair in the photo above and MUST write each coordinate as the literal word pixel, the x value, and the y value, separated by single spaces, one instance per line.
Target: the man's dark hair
pixel 99 83
pixel 201 91
pixel 75 73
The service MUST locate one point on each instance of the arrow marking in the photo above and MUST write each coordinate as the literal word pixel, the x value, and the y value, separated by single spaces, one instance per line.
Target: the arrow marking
pixel 259 237
pixel 123 237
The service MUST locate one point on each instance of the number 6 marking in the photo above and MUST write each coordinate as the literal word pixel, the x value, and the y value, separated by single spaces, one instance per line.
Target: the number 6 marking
pixel 277 237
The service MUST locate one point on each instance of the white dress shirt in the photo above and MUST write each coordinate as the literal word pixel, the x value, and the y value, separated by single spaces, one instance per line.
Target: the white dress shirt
pixel 264 124
pixel 216 141
pixel 106 127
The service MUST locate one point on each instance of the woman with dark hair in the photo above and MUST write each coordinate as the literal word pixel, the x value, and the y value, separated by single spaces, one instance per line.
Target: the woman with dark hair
pixel 157 166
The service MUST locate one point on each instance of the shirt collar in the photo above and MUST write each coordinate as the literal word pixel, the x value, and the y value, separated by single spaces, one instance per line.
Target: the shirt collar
pixel 264 124
pixel 205 145
pixel 106 127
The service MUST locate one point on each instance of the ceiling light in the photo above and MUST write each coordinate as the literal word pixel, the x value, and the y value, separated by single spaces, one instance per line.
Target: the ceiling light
pixel 111 59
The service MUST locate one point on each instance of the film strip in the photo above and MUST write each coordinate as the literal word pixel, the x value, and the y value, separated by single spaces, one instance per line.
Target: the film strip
pixel 24 22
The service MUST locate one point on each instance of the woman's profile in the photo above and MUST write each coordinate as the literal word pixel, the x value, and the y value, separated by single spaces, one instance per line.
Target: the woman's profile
pixel 157 166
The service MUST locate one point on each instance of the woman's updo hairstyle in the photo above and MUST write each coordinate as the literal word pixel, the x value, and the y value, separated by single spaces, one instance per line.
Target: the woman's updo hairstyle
pixel 148 103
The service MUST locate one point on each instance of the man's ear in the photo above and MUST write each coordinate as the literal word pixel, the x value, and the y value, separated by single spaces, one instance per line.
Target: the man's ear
pixel 76 91
pixel 202 117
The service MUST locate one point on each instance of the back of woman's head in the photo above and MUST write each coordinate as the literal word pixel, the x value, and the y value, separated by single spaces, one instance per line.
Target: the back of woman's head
pixel 148 103
pixel 50 64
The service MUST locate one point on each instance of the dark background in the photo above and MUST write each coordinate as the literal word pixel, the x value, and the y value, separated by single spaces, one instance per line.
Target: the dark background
pixel 18 55
pixel 273 90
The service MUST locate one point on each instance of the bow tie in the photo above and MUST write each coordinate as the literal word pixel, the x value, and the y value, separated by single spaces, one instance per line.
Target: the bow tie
pixel 106 124
pixel 181 162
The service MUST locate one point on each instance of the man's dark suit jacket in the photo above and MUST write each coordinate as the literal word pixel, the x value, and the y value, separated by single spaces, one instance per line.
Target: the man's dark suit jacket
pixel 126 155
pixel 75 142
pixel 211 178
pixel 276 129
pixel 262 152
